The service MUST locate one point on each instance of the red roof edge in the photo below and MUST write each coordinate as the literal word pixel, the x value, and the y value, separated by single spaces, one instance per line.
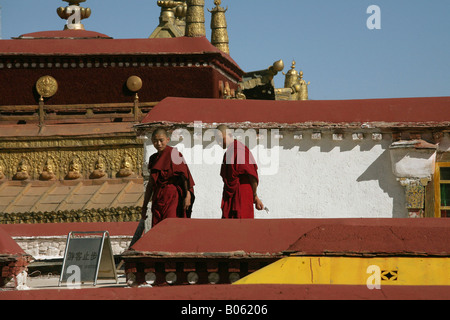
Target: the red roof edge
pixel 431 110
pixel 7 245
pixel 63 34
pixel 63 229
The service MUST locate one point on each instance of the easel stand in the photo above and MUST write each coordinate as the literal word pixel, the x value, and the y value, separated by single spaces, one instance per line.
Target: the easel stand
pixel 87 258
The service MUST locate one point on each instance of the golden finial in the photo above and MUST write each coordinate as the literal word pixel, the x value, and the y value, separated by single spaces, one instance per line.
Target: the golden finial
pixel 74 14
pixel 291 76
pixel 303 92
pixel 195 18
pixel 219 32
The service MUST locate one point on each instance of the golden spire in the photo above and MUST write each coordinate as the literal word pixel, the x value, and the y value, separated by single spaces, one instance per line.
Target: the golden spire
pixel 219 32
pixel 74 14
pixel 195 18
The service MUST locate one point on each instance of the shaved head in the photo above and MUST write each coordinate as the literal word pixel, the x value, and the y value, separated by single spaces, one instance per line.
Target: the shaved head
pixel 226 135
pixel 222 128
pixel 160 131
pixel 160 139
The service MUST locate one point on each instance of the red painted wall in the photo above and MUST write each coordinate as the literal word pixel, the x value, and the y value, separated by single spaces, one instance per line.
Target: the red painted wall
pixel 108 85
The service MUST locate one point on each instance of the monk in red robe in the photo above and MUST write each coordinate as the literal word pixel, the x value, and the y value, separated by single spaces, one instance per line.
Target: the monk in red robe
pixel 239 173
pixel 170 187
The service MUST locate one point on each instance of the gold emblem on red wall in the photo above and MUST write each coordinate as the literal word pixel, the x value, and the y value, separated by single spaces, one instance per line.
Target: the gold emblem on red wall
pixel 46 86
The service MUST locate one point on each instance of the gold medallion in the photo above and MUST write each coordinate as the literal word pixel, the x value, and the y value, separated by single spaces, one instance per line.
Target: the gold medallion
pixel 134 83
pixel 47 86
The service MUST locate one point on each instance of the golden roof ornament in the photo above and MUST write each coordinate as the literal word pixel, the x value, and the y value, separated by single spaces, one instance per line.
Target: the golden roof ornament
pixel 291 76
pixel 172 22
pixel 219 32
pixel 303 92
pixel 134 84
pixel 74 13
pixel 295 87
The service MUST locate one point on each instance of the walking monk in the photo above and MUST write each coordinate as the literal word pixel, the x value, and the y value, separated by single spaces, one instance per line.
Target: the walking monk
pixel 239 173
pixel 170 186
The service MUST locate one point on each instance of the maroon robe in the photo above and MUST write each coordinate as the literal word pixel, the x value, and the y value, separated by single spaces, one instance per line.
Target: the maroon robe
pixel 237 198
pixel 169 171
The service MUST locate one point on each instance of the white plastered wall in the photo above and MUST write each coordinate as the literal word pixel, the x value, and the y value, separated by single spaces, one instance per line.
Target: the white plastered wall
pixel 326 178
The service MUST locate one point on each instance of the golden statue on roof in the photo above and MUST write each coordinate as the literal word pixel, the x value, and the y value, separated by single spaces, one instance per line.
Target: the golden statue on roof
pixel 295 87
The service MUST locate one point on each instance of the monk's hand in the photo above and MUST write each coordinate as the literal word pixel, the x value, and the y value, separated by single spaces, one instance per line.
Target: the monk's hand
pixel 258 203
pixel 187 201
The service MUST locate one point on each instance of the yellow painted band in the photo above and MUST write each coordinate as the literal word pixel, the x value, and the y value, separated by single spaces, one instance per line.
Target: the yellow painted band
pixel 401 271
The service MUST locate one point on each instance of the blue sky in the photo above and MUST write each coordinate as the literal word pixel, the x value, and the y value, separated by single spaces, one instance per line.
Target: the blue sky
pixel 329 40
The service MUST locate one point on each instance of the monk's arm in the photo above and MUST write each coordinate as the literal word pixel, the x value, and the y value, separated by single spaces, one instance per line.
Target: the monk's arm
pixel 254 183
pixel 147 197
pixel 187 199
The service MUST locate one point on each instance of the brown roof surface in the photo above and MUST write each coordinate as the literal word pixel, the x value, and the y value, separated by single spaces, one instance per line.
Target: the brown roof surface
pixel 200 236
pixel 98 46
pixel 417 111
pixel 272 237
pixel 410 237
pixel 47 196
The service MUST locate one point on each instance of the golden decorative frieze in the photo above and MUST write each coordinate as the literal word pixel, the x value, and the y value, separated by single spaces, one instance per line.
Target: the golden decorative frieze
pixel 69 164
pixel 120 214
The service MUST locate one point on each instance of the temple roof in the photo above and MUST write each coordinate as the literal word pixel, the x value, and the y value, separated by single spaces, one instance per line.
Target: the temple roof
pixel 63 34
pixel 276 237
pixel 49 196
pixel 57 43
pixel 183 66
pixel 421 112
